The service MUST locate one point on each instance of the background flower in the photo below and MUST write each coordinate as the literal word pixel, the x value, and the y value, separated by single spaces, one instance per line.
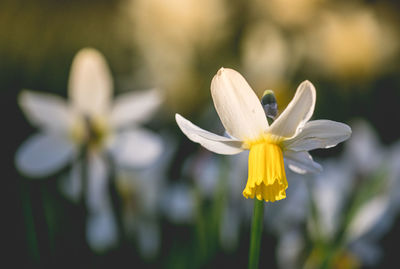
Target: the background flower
pixel 348 213
pixel 89 125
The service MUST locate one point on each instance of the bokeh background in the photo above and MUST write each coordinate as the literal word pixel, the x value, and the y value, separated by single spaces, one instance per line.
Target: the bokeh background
pixel 198 217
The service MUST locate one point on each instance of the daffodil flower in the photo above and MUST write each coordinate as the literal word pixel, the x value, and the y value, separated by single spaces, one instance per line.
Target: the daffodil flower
pixel 89 119
pixel 290 136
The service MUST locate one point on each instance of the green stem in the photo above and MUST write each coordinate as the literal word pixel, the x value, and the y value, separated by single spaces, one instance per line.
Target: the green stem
pixel 30 229
pixel 256 232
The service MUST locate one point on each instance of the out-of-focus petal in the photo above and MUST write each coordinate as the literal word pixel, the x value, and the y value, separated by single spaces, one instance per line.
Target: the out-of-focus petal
pixel 283 217
pixel 212 142
pixel 289 249
pixel 45 110
pixel 148 238
pixel 44 154
pixel 134 107
pixel 319 134
pixel 229 228
pixel 328 196
pixel 364 149
pixel 367 216
pixel 297 113
pixel 90 82
pixel 71 185
pixel 98 197
pixel 101 230
pixel 205 169
pixel 136 148
pixel 301 162
pixel 237 105
pixel 178 203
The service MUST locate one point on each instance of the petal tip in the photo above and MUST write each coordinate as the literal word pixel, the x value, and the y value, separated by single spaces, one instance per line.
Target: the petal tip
pixel 227 72
pixel 350 131
pixel 182 123
pixel 89 52
pixel 178 117
pixel 347 131
pixel 89 57
pixel 24 95
pixel 306 84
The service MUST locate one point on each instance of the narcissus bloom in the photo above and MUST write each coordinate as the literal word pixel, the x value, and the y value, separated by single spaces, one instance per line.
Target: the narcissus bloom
pixel 91 120
pixel 290 136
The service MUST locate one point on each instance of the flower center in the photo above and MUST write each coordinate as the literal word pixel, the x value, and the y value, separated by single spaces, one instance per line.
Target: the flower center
pixel 90 131
pixel 97 132
pixel 266 175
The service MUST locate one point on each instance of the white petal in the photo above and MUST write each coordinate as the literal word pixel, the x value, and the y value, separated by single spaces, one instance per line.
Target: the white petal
pixel 212 142
pixel 45 110
pixel 297 113
pixel 97 195
pixel 148 238
pixel 178 203
pixel 101 230
pixel 237 105
pixel 207 173
pixel 44 154
pixel 329 196
pixel 289 249
pixel 71 185
pixel 367 216
pixel 136 148
pixel 134 107
pixel 283 217
pixel 364 148
pixel 301 162
pixel 319 134
pixel 90 82
pixel 229 228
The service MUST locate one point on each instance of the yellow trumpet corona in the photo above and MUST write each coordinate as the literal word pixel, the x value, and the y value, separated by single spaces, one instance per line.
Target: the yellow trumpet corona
pixel 266 174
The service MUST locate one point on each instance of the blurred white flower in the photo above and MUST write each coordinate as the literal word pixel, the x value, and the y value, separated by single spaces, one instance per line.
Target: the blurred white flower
pixel 364 150
pixel 339 194
pixel 351 43
pixel 170 35
pixel 229 228
pixel 139 195
pixel 291 135
pixel 367 217
pixel 220 180
pixel 291 212
pixel 142 195
pixel 289 248
pixel 288 13
pixel 178 203
pixel 330 193
pixel 89 119
pixel 266 56
pixel 177 22
pixel 352 205
pixel 394 160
